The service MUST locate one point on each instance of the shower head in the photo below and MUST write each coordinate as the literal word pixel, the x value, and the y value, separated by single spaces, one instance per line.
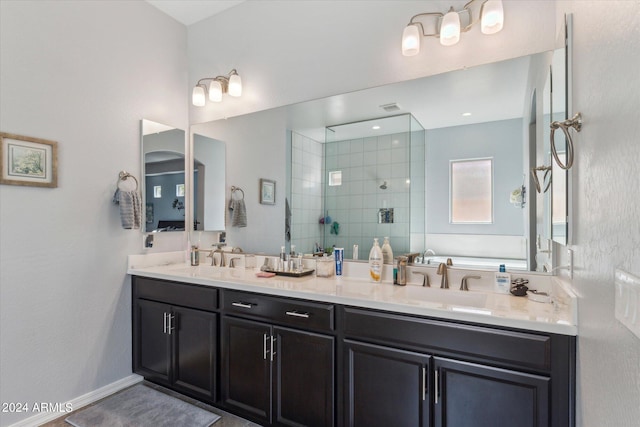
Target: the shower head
pixel 383 186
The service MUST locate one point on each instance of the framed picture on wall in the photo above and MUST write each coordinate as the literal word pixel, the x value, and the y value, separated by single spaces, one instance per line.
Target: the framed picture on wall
pixel 267 192
pixel 28 161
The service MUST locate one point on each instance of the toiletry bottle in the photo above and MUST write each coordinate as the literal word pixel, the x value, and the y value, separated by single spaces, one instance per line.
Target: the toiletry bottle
pixel 503 281
pixel 375 262
pixel 387 252
pixel 283 259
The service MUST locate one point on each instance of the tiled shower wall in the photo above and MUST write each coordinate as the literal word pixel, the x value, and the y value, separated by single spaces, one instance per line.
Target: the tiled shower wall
pixel 306 192
pixel 366 163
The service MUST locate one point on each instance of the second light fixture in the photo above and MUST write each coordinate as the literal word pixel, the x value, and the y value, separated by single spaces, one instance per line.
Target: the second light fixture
pixel 231 84
pixel 448 26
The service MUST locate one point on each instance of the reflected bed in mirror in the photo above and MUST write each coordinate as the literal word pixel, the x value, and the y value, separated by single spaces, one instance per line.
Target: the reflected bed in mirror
pixel 163 154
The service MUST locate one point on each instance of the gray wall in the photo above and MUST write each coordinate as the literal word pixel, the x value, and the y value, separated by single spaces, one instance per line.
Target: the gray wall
pixel 501 141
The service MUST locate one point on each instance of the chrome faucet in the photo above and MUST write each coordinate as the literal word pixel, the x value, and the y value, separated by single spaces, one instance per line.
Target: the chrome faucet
pixel 442 270
pixel 232 261
pixel 209 255
pixel 463 283
pixel 425 253
pixel 213 259
pixel 425 278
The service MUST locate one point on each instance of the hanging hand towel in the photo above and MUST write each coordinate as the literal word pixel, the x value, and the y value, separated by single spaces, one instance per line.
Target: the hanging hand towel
pixel 130 204
pixel 238 212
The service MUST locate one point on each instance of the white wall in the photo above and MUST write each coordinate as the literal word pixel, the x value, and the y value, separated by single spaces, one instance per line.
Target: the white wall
pixel 292 51
pixel 606 89
pixel 82 74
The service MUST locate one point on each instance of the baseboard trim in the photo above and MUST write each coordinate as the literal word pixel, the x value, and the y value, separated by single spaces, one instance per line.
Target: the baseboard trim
pixel 81 401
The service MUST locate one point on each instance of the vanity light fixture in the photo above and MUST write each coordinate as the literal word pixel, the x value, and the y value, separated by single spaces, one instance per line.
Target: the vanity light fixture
pixel 448 26
pixel 231 84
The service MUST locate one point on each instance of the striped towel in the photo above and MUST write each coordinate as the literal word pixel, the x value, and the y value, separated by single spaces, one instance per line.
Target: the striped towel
pixel 238 212
pixel 130 208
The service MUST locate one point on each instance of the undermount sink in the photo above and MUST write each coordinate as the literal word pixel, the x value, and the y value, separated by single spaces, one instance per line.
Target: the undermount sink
pixel 444 296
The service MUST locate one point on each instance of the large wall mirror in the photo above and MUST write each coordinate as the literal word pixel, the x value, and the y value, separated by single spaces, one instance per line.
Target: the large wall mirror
pixel 466 145
pixel 163 171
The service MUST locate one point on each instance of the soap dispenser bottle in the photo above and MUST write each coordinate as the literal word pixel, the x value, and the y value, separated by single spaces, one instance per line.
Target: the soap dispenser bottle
pixel 375 262
pixel 387 252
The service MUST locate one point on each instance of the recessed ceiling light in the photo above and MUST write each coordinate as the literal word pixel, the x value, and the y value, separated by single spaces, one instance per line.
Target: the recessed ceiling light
pixel 375 127
pixel 466 114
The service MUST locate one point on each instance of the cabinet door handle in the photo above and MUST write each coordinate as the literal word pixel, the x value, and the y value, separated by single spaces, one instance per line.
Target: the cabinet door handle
pixel 437 391
pixel 171 317
pixel 297 314
pixel 164 323
pixel 273 353
pixel 264 347
pixel 242 304
pixel 424 383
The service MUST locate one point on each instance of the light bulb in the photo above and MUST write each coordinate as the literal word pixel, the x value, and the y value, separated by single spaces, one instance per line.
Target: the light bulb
pixel 450 29
pixel 492 17
pixel 215 91
pixel 235 85
pixel 197 98
pixel 410 40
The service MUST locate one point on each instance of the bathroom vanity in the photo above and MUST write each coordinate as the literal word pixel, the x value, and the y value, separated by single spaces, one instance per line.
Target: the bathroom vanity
pixel 346 352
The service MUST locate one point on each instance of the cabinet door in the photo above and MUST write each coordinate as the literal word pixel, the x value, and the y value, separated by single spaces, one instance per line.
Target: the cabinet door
pixel 303 378
pixel 194 342
pixel 151 342
pixel 246 363
pixel 473 395
pixel 385 386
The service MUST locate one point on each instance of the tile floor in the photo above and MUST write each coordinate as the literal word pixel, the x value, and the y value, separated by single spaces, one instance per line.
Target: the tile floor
pixel 227 419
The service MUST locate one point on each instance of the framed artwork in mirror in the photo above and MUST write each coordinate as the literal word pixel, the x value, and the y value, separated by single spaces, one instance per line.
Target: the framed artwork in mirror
pixel 28 161
pixel 267 192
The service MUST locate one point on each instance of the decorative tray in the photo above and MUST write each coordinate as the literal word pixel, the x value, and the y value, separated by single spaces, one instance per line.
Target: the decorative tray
pixel 304 272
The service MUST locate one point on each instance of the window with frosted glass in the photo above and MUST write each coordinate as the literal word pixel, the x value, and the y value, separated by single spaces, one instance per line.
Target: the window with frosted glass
pixel 471 194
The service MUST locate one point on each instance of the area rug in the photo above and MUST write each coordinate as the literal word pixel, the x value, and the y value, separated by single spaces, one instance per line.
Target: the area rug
pixel 141 406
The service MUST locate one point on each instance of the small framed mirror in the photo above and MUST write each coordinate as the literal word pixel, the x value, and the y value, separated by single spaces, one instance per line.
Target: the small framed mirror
pixel 163 172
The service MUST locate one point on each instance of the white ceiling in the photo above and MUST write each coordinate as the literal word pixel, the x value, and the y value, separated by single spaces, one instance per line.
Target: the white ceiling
pixel 192 11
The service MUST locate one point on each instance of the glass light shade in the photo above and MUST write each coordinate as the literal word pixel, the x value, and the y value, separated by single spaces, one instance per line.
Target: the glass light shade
pixel 411 40
pixel 215 91
pixel 235 85
pixel 492 17
pixel 450 29
pixel 197 97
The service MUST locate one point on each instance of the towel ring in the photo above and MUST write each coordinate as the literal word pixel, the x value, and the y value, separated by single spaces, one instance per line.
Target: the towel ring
pixel 123 176
pixel 576 123
pixel 534 172
pixel 234 189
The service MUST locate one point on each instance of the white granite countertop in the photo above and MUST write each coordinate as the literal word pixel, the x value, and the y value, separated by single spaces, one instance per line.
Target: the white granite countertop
pixel 479 305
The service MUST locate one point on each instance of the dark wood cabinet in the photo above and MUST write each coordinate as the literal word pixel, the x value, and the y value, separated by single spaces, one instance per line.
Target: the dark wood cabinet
pixel 151 343
pixel 273 374
pixel 291 362
pixel 176 346
pixel 385 386
pixel 303 378
pixel 473 395
pixel 475 375
pixel 246 367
